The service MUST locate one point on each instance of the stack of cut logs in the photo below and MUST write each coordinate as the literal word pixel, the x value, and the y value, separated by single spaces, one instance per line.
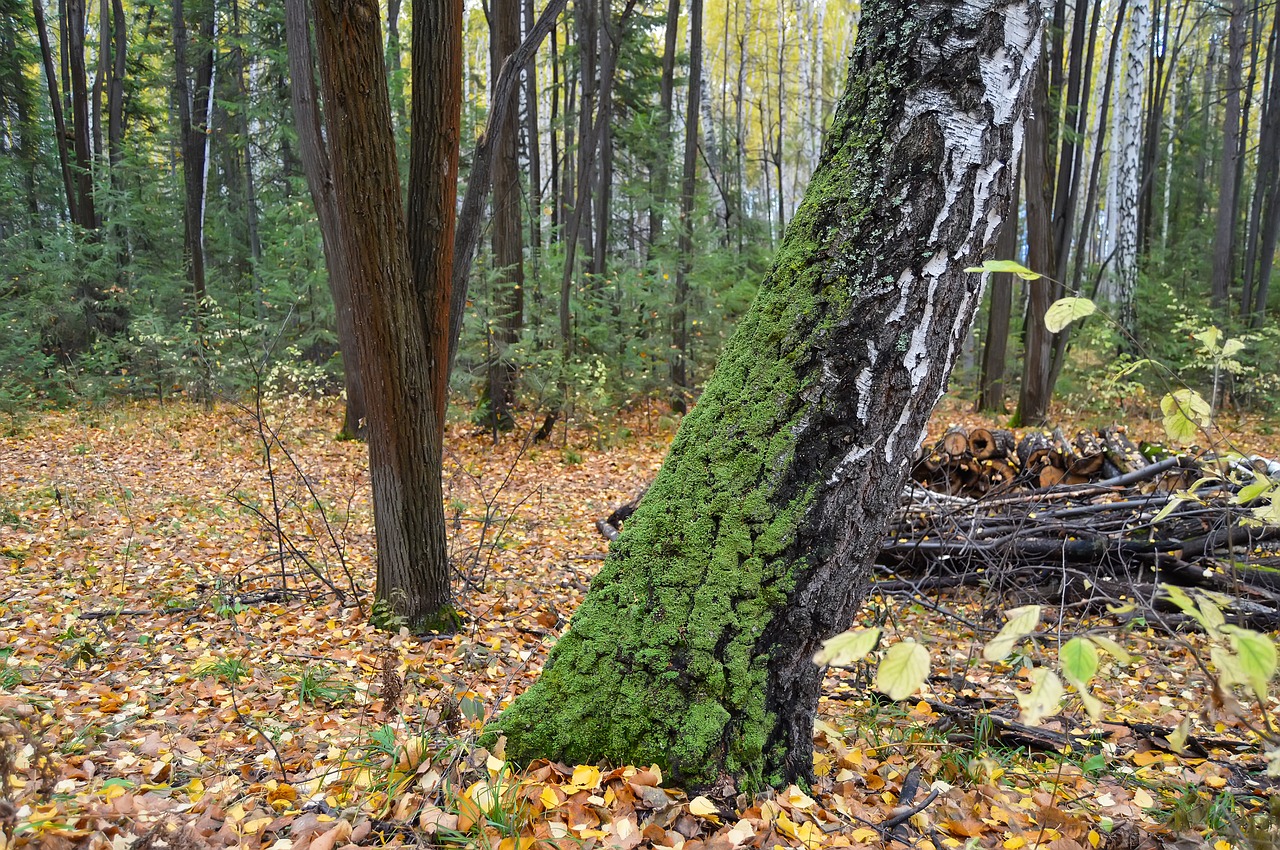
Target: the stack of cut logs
pixel 982 461
pixel 1094 519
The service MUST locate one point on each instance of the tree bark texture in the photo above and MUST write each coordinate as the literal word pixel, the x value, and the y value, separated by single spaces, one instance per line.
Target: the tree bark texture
pixel 693 648
pixel 506 227
pixel 680 382
pixel 55 102
pixel 82 145
pixel 1222 272
pixel 396 341
pixel 193 89
pixel 318 171
pixel 436 111
pixel 1037 343
pixel 999 316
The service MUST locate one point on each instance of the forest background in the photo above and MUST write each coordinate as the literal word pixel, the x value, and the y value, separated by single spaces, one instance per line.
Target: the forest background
pixel 158 236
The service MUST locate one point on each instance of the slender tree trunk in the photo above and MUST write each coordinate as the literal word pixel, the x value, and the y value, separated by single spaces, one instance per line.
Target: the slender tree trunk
pixel 115 92
pixel 55 104
pixel 1127 163
pixel 1222 272
pixel 1099 148
pixel 1267 188
pixel 693 648
pixel 688 186
pixel 533 141
pixel 660 173
pixel 1037 365
pixel 505 226
pixel 82 143
pixel 401 329
pixel 317 167
pixel 995 348
pixel 478 183
pixel 194 95
pixel 98 89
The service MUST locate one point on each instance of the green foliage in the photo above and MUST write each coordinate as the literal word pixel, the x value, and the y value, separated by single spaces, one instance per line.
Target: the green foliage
pixel 228 670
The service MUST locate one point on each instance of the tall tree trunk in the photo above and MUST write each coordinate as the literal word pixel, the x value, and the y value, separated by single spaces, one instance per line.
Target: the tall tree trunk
pixel 1036 391
pixel 195 103
pixel 506 229
pixel 660 172
pixel 688 186
pixel 55 103
pixel 400 325
pixel 478 183
pixel 1127 164
pixel 533 141
pixel 115 91
pixel 82 144
pixel 1222 272
pixel 693 648
pixel 1266 217
pixel 244 152
pixel 1099 148
pixel 1000 313
pixel 317 167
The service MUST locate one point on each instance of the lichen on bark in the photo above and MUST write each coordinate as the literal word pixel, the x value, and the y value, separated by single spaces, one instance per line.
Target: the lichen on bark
pixel 693 647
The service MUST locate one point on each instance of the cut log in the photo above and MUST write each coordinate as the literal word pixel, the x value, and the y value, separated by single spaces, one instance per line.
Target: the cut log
pixel 991 445
pixel 954 443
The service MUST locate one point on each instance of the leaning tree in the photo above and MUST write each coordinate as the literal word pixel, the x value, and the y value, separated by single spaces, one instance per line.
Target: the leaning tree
pixel 693 648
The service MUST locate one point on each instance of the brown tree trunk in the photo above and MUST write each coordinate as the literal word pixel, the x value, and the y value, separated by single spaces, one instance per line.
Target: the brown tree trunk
pixel 80 132
pixel 660 172
pixel 995 347
pixel 316 166
pixel 1222 273
pixel 55 103
pixel 400 328
pixel 1037 365
pixel 194 111
pixel 693 649
pixel 688 186
pixel 1267 188
pixel 505 225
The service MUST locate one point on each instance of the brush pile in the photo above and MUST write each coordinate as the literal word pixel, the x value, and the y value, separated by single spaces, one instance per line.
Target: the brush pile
pixel 1089 521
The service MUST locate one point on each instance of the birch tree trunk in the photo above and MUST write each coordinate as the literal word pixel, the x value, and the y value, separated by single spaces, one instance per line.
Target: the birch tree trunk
pixel 1127 163
pixel 693 648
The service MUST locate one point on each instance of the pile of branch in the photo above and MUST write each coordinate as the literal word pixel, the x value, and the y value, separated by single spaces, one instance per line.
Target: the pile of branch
pixel 1087 522
pixel 1082 522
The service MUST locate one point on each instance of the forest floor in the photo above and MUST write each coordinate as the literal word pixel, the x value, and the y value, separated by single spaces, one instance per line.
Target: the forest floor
pixel 154 681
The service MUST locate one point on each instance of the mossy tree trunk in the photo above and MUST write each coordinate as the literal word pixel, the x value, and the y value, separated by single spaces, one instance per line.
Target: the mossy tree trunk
pixel 693 649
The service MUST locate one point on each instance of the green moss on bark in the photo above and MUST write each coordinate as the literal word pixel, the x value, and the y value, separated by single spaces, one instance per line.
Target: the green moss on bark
pixel 664 662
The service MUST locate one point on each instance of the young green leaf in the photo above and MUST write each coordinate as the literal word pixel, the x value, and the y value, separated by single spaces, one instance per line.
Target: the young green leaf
pixel 1256 490
pixel 1209 339
pixel 847 647
pixel 1008 266
pixel 1185 413
pixel 1064 311
pixel 1079 662
pixel 903 670
pixel 1256 656
pixel 1046 693
pixel 1021 622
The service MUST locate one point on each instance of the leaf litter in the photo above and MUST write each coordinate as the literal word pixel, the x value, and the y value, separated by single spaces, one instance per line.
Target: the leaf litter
pixel 188 661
